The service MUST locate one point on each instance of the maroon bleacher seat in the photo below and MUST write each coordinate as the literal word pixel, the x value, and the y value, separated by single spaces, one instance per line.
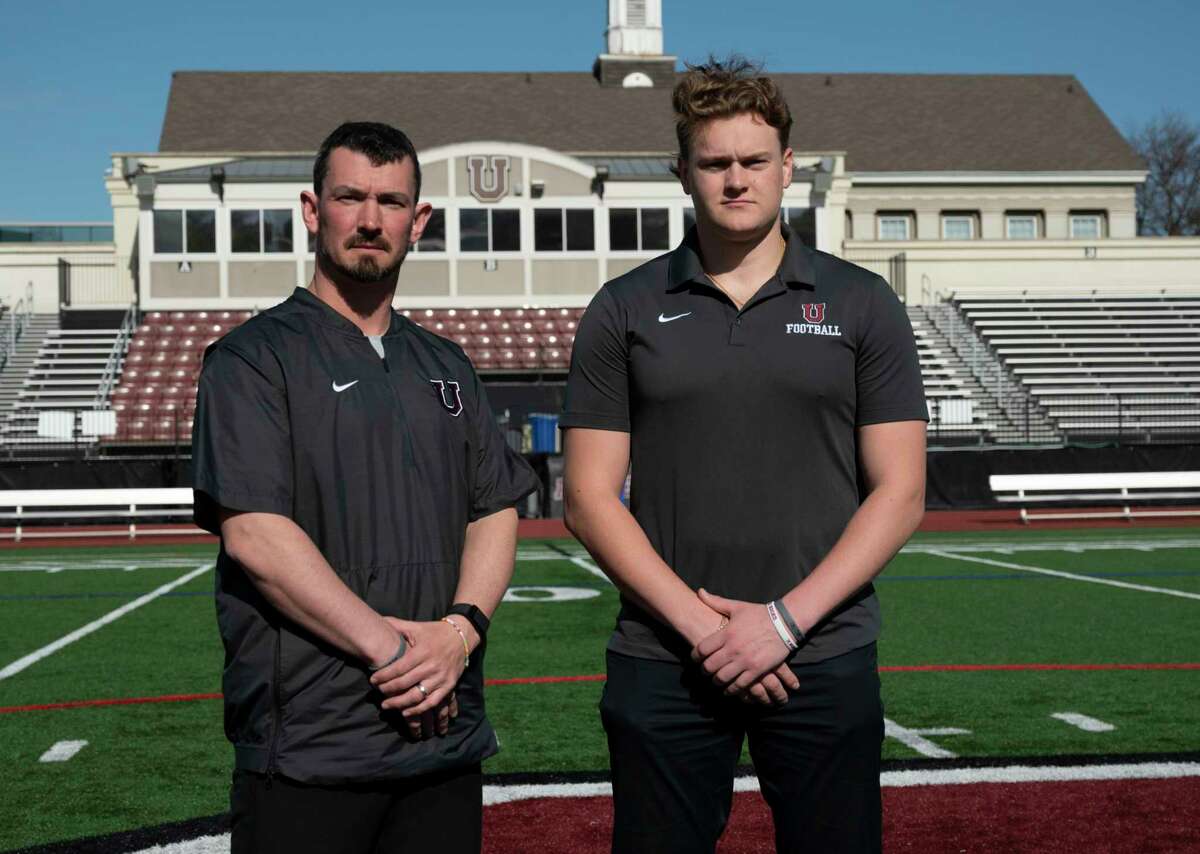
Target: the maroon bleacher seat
pixel 484 358
pixel 530 357
pixel 556 358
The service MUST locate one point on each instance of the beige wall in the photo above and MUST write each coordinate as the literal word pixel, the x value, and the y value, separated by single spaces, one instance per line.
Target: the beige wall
pixel 424 278
pixel 166 280
pixel 1145 264
pixel 262 278
pixel 559 181
pixel 621 266
pixel 434 179
pixel 507 278
pixel 572 276
pixel 992 201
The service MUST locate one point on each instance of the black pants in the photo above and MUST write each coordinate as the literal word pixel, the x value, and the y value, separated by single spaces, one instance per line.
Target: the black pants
pixel 674 742
pixel 437 812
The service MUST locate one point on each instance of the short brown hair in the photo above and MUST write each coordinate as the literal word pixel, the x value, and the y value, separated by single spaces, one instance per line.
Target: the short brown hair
pixel 717 89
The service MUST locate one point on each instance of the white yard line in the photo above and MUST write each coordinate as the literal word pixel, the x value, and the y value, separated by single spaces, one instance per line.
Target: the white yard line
pixel 586 565
pixel 1071 576
pixel 915 740
pixel 1083 722
pixel 1078 546
pixel 91 565
pixel 61 751
pixel 51 648
pixel 1012 774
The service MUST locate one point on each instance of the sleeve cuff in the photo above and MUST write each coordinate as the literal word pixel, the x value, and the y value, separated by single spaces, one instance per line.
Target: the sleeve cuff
pixel 594 420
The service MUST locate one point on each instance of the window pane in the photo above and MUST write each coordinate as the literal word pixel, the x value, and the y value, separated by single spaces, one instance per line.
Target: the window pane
pixel 548 230
pixel 201 231
pixel 243 231
pixel 506 230
pixel 655 234
pixel 1022 228
pixel 956 228
pixel 803 221
pixel 622 229
pixel 168 231
pixel 1085 226
pixel 581 230
pixel 434 238
pixel 473 230
pixel 277 230
pixel 893 228
pixel 689 219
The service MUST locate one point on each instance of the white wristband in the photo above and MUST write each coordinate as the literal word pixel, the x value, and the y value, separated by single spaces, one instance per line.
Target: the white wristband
pixel 781 629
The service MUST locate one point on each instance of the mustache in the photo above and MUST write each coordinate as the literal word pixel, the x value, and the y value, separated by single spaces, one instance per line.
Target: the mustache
pixel 371 243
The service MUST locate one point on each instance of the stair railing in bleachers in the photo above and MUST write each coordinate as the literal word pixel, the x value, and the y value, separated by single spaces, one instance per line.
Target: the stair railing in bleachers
pixel 13 325
pixel 115 357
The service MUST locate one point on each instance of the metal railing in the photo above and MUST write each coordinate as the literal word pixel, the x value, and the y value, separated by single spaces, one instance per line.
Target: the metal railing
pixel 1024 419
pixel 116 356
pixel 13 325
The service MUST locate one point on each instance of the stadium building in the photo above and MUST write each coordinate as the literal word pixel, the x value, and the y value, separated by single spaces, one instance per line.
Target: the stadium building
pixel 1001 208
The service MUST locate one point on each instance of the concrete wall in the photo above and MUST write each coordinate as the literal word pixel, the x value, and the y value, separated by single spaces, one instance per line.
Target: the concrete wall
pixel 577 276
pixel 35 266
pixel 262 278
pixel 1056 201
pixel 935 269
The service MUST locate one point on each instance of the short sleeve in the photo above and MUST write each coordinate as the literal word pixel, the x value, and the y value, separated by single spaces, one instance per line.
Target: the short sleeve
pixel 887 371
pixel 241 439
pixel 502 477
pixel 598 383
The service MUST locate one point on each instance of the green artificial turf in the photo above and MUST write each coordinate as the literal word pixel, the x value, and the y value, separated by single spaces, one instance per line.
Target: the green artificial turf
pixel 151 763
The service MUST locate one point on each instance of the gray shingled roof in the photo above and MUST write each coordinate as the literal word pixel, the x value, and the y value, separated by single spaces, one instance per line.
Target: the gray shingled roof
pixel 885 122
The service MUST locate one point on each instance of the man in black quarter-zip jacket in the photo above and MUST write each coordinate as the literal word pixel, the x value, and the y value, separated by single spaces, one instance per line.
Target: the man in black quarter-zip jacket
pixel 364 498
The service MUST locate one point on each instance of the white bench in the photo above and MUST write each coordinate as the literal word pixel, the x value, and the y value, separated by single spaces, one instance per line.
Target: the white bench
pixel 21 506
pixel 1119 488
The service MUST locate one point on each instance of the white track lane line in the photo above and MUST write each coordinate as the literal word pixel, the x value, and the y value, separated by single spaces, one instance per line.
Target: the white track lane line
pixel 51 648
pixel 1012 774
pixel 1108 582
pixel 61 751
pixel 1083 722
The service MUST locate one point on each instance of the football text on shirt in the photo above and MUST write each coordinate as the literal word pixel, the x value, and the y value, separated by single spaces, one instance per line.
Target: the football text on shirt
pixel 813 329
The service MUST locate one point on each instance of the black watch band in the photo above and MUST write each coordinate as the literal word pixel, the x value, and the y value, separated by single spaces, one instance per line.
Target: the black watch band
pixel 474 616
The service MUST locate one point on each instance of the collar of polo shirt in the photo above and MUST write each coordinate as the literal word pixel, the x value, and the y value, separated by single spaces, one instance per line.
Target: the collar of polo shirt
pixel 796 268
pixel 326 315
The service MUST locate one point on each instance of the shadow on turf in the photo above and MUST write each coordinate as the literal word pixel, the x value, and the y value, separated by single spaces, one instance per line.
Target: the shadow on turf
pixel 181 831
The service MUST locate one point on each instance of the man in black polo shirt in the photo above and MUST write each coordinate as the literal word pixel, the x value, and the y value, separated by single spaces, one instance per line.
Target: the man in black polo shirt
pixel 363 495
pixel 769 401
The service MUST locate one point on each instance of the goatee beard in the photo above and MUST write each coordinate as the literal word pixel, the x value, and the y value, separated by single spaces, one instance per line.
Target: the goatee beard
pixel 365 272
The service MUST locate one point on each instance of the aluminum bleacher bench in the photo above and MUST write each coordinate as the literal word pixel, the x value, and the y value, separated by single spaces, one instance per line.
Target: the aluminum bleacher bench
pixel 19 507
pixel 1122 489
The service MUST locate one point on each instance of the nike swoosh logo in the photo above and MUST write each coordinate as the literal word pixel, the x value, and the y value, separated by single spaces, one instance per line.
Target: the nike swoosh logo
pixel 662 318
pixel 337 387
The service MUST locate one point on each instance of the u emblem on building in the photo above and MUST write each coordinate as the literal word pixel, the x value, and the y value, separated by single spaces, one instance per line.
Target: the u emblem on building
pixel 487 176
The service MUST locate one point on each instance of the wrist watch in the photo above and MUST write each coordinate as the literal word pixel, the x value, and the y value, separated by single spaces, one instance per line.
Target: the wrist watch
pixel 474 616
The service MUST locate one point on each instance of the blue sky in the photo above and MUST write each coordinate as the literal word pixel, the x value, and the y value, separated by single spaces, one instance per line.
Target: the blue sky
pixel 83 79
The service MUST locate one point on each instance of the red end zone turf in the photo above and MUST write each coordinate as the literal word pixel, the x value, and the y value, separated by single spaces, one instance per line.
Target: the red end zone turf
pixel 1113 816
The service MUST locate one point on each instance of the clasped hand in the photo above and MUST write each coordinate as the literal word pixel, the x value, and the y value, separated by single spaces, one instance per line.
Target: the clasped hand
pixel 746 658
pixel 420 684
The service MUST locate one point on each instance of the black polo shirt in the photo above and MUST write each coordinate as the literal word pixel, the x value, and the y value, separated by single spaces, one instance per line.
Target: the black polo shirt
pixel 742 423
pixel 383 463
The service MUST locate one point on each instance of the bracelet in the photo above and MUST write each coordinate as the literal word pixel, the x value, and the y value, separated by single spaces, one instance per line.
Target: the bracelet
pixel 393 659
pixel 789 622
pixel 466 646
pixel 473 615
pixel 781 629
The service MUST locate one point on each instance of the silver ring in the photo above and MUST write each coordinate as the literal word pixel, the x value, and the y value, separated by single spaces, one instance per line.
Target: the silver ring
pixel 422 689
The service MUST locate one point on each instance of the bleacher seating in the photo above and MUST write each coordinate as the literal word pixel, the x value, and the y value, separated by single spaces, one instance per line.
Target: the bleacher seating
pixel 1101 366
pixel 155 400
